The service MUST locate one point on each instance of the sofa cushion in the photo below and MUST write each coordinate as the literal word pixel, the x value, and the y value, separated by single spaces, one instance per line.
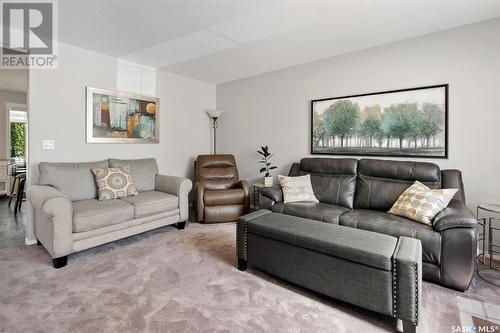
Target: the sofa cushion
pixel 396 226
pixel 152 203
pixel 333 179
pixel 316 211
pixel 143 172
pixel 381 182
pixel 234 196
pixel 367 248
pixel 73 179
pixel 93 214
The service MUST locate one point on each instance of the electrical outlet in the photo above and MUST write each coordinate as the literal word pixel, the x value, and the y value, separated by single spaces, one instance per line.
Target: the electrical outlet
pixel 49 144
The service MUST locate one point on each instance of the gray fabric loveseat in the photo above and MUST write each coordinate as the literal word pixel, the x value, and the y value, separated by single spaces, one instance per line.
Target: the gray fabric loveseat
pixel 68 217
pixel 358 193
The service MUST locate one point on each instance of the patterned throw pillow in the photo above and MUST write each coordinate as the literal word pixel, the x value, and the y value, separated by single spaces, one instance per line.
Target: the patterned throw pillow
pixel 297 189
pixel 113 183
pixel 421 204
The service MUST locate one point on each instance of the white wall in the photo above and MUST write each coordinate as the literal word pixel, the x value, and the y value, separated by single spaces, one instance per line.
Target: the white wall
pixel 274 108
pixel 12 97
pixel 57 112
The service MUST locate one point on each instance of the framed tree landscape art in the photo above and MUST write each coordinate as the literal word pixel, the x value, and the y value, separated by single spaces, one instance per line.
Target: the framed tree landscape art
pixel 406 123
pixel 119 117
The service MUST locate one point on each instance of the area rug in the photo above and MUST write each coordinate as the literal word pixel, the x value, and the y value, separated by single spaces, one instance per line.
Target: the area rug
pixel 172 280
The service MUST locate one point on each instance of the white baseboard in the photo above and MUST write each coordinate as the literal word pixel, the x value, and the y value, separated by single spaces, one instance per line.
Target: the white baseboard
pixel 30 241
pixel 495 256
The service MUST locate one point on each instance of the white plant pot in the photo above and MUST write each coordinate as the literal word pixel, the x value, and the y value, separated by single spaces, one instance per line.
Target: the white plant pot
pixel 268 181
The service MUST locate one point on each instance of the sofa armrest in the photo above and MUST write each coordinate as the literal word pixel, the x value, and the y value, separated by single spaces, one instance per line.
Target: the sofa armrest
pixel 178 186
pixel 52 219
pixel 273 192
pixel 456 215
pixel 40 194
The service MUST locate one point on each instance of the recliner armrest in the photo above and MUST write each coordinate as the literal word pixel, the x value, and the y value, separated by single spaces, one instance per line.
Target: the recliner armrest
pixel 246 189
pixel 244 185
pixel 199 192
pixel 456 215
pixel 273 192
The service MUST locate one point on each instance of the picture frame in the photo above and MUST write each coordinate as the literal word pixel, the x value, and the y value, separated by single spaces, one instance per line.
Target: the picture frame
pixel 410 122
pixel 121 117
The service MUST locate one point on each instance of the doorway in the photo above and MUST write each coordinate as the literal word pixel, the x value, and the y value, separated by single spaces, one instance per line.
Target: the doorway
pixel 13 155
pixel 17 132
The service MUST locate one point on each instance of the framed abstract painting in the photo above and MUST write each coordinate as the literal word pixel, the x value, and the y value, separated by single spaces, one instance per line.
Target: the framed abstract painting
pixel 398 123
pixel 119 117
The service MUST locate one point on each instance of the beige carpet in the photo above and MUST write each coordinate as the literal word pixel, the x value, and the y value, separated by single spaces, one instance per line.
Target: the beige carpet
pixel 173 280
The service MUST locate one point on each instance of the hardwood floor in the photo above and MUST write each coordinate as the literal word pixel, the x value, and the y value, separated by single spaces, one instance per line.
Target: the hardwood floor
pixel 12 227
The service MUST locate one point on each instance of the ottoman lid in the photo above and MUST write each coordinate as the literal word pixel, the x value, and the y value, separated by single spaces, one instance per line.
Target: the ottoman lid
pixel 361 246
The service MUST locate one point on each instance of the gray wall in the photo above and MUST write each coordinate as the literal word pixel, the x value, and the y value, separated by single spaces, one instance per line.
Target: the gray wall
pixel 57 112
pixel 13 97
pixel 274 108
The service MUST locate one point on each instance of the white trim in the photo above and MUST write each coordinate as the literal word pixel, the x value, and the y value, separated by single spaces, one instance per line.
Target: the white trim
pixel 487 256
pixel 30 241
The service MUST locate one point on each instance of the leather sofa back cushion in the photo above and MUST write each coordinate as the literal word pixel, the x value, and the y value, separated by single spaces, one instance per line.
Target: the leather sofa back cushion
pixel 144 172
pixel 217 171
pixel 73 179
pixel 333 179
pixel 381 182
pixel 336 166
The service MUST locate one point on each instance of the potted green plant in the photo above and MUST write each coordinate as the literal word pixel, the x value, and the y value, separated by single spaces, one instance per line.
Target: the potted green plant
pixel 265 159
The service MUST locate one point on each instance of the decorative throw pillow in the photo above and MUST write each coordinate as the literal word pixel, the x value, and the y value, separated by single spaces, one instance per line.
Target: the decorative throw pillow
pixel 421 204
pixel 113 183
pixel 297 189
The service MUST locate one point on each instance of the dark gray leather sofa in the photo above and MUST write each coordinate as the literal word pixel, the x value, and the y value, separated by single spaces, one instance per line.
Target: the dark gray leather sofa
pixel 358 193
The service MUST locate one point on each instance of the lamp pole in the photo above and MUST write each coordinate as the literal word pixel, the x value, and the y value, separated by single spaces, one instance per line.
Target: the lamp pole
pixel 215 124
pixel 214 115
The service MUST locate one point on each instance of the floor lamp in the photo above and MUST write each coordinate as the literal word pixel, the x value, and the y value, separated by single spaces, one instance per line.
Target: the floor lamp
pixel 214 115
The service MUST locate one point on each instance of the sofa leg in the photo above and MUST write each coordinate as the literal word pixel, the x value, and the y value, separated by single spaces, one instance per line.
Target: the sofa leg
pixel 60 262
pixel 180 225
pixel 242 264
pixel 409 327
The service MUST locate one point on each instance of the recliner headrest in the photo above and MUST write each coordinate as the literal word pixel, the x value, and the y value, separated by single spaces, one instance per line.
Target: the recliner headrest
pixel 215 161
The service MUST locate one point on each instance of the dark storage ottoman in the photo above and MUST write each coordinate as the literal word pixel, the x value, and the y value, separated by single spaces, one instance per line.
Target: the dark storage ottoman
pixel 375 271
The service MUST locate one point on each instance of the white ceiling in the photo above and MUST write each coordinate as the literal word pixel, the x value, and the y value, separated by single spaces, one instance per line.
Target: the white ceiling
pixel 220 41
pixel 14 80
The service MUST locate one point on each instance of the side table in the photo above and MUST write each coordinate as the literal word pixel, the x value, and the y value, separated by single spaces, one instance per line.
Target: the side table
pixel 492 224
pixel 256 194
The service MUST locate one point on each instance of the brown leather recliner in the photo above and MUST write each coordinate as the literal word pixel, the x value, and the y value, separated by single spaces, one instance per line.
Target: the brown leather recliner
pixel 220 195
